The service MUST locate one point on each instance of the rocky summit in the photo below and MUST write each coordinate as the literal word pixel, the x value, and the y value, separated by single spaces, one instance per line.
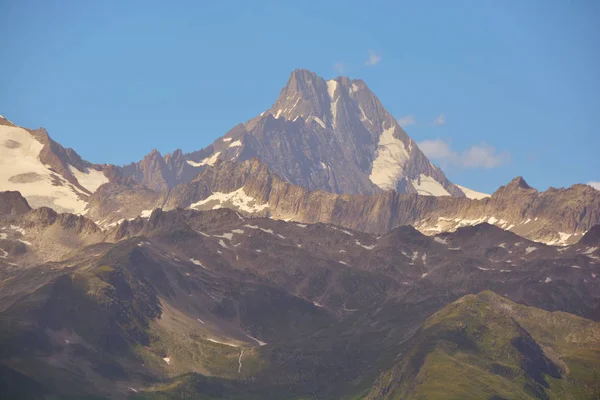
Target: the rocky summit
pixel 331 135
pixel 312 252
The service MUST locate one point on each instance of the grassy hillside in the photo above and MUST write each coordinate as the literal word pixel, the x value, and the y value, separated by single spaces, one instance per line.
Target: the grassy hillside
pixel 487 347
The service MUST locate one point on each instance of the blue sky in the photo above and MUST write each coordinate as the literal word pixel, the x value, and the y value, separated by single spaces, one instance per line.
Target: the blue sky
pixel 492 89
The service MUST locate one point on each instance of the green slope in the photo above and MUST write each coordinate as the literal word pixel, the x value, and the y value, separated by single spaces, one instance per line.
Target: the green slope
pixel 487 347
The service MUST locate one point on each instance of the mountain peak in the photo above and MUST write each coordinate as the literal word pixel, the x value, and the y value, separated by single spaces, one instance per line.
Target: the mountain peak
pixel 520 183
pixel 301 75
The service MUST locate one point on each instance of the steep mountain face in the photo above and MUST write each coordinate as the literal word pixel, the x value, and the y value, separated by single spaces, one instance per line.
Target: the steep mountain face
pixel 159 173
pixel 46 173
pixel 331 135
pixel 556 216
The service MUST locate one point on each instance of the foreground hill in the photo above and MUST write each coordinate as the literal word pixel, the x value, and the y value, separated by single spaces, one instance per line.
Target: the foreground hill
pixel 217 304
pixel 485 346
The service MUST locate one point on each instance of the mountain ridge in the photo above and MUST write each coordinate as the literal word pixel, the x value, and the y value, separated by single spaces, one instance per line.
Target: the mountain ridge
pixel 250 187
pixel 333 135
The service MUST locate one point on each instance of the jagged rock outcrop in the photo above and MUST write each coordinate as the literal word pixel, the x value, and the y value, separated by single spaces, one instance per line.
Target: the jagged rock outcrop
pixel 331 135
pixel 556 216
pixel 160 173
pixel 12 203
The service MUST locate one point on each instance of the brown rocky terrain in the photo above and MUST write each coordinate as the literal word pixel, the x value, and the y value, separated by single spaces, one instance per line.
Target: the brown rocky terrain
pixel 556 216
pixel 330 135
pixel 285 307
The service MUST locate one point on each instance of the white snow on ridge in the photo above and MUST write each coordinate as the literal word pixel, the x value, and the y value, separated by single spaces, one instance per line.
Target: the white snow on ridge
pixel 331 88
pixel 441 240
pixel 428 186
pixel 238 199
pixel 194 261
pixel 530 249
pixel 391 158
pixel 228 139
pixel 207 161
pixel 219 342
pixel 21 170
pixel 235 144
pixel 472 194
pixel 319 121
pixel 146 213
pixel 91 179
pixel 365 246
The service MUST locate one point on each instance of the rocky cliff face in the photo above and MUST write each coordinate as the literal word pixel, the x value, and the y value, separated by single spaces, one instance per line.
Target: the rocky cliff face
pixel 556 216
pixel 12 203
pixel 158 173
pixel 331 135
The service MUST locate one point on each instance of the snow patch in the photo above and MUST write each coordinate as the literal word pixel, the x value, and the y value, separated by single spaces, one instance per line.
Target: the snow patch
pixel 219 342
pixel 428 186
pixel 228 139
pixel 90 179
pixel 530 249
pixel 146 214
pixel 364 246
pixel 472 194
pixel 319 121
pixel 167 360
pixel 548 280
pixel 21 170
pixel 18 229
pixel 388 166
pixel 207 161
pixel 331 87
pixel 441 240
pixel 590 250
pixel 194 261
pixel 238 199
pixel 235 144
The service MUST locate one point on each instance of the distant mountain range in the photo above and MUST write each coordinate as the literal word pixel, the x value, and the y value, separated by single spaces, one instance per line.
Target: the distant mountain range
pixel 313 252
pixel 320 136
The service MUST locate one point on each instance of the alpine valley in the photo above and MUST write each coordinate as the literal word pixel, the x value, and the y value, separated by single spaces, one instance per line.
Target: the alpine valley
pixel 312 252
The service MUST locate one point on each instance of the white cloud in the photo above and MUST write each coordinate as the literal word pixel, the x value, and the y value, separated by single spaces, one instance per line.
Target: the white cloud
pixel 477 156
pixel 440 120
pixel 483 156
pixel 374 58
pixel 339 67
pixel 595 185
pixel 407 120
